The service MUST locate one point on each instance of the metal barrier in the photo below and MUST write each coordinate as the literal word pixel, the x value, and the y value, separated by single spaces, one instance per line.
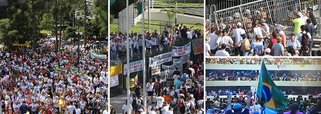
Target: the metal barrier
pixel 270 9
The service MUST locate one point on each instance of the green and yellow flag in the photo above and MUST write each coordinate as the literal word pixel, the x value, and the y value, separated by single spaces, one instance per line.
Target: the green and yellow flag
pixel 268 93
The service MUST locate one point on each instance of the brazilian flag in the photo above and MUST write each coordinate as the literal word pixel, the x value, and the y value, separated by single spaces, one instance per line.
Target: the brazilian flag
pixel 268 93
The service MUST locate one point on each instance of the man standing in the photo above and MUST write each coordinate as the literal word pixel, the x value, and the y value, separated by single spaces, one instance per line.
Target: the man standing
pixel 222 51
pixel 278 48
pixel 237 34
pixel 23 108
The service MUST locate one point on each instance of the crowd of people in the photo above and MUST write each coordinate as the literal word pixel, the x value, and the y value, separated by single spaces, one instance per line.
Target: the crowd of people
pixel 180 91
pixel 248 75
pixel 255 35
pixel 155 42
pixel 184 94
pixel 43 80
pixel 244 101
pixel 268 61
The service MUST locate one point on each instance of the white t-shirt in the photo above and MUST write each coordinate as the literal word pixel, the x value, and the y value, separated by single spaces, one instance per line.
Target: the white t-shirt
pixel 150 86
pixel 207 49
pixel 71 108
pixel 189 35
pixel 257 31
pixel 125 108
pixel 237 35
pixel 34 107
pixel 225 40
pixel 78 111
pixel 213 41
pixel 296 44
pixel 165 109
pixel 105 112
pixel 222 53
pixel 160 100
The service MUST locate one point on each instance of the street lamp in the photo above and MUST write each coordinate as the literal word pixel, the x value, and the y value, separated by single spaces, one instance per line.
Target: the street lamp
pixel 78 48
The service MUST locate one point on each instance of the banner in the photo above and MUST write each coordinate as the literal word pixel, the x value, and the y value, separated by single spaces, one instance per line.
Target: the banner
pixel 181 50
pixel 134 66
pixel 178 62
pixel 115 70
pixel 168 69
pixel 114 81
pixel 156 70
pixel 160 59
pixel 197 45
pixel 181 60
pixel 99 56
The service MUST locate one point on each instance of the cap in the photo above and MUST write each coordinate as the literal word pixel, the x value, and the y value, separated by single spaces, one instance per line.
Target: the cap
pixel 300 14
pixel 237 106
pixel 239 24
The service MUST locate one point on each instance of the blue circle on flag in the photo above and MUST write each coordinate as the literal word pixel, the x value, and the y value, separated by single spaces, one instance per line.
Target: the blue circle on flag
pixel 266 94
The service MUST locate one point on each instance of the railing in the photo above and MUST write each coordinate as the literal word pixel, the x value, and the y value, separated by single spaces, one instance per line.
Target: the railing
pixel 272 9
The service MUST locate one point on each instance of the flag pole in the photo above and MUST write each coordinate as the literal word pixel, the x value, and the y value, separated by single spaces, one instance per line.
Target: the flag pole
pixel 175 12
pixel 144 55
pixel 127 49
pixel 149 16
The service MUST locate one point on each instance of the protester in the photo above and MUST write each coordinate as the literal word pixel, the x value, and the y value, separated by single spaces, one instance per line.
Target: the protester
pixel 255 25
pixel 41 80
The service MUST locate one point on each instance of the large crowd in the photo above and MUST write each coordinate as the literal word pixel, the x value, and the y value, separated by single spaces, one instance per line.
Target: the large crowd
pixel 41 80
pixel 181 90
pixel 247 75
pixel 155 42
pixel 184 94
pixel 256 35
pixel 244 101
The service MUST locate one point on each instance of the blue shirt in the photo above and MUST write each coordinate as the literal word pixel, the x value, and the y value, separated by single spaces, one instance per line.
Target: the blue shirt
pixel 245 111
pixel 177 83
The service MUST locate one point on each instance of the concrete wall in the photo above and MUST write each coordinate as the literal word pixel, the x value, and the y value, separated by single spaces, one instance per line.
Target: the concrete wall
pixel 254 83
pixel 258 67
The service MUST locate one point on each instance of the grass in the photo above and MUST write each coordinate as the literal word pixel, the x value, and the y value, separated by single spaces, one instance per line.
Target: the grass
pixel 155 25
pixel 180 3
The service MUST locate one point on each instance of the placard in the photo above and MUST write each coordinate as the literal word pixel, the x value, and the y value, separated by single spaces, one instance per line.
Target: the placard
pixel 134 66
pixel 181 50
pixel 114 81
pixel 198 46
pixel 160 59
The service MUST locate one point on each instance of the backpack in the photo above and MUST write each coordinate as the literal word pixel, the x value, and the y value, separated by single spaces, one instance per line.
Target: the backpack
pixel 305 39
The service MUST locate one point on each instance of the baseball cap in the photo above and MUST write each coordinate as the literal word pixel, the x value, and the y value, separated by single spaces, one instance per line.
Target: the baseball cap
pixel 239 24
pixel 237 106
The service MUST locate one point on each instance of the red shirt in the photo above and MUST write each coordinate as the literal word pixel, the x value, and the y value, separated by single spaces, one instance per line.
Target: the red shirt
pixel 274 40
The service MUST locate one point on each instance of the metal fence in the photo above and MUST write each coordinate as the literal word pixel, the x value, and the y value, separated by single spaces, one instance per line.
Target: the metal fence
pixel 273 9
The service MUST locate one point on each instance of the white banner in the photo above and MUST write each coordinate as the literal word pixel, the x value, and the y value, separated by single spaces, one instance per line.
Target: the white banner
pixel 99 56
pixel 160 59
pixel 156 70
pixel 134 66
pixel 114 81
pixel 181 50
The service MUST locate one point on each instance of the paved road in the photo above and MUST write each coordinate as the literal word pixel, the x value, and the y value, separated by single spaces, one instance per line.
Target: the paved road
pixel 118 101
